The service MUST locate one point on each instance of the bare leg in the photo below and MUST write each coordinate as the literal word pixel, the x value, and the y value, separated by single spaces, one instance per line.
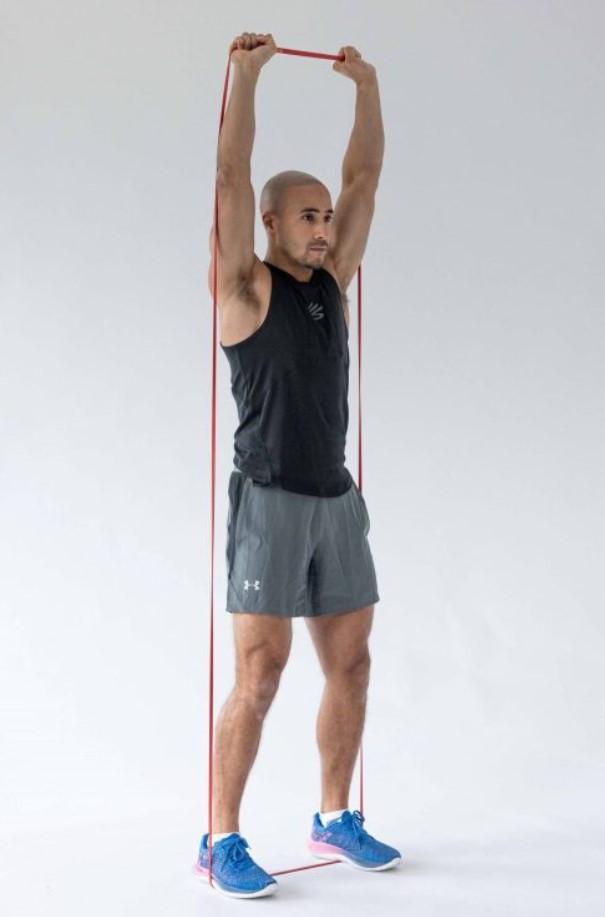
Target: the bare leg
pixel 341 642
pixel 262 647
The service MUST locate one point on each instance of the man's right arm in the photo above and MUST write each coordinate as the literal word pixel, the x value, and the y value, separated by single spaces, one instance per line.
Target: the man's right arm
pixel 235 192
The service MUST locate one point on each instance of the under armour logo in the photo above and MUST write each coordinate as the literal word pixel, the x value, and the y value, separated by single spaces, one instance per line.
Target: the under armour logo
pixel 316 310
pixel 255 584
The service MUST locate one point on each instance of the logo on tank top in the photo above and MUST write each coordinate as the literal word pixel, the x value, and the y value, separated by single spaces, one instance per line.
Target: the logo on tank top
pixel 316 309
pixel 254 585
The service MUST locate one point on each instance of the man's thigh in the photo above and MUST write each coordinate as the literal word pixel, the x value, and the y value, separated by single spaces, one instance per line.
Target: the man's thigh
pixel 341 640
pixel 268 549
pixel 261 640
pixel 342 572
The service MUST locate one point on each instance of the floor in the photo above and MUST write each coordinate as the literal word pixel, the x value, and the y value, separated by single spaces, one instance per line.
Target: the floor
pixel 457 866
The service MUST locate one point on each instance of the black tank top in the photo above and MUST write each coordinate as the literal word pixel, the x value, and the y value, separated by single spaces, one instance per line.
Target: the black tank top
pixel 290 381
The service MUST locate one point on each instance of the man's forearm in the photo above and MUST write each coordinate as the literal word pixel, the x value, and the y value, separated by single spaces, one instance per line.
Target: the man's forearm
pixel 237 133
pixel 366 147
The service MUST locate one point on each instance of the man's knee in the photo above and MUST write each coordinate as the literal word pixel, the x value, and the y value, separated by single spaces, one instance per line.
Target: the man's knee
pixel 258 676
pixel 355 670
pixel 262 649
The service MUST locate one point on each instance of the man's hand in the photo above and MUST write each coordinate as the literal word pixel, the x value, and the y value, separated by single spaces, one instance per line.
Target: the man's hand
pixel 353 66
pixel 252 49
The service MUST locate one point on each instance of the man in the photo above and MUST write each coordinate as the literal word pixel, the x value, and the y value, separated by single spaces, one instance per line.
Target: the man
pixel 297 526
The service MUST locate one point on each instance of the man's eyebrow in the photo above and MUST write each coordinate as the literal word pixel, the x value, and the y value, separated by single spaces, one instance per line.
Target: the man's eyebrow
pixel 315 210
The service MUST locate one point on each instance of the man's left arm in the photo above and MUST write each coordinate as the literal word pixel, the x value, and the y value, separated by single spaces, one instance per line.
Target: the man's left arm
pixel 361 169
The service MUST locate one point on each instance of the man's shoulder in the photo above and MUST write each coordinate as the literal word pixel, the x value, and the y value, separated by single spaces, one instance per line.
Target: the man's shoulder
pixel 329 268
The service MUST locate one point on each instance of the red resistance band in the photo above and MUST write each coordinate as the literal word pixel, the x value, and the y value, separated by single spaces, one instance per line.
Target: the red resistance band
pixel 213 476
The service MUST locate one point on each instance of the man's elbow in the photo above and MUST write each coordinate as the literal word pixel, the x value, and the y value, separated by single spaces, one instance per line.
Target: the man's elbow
pixel 233 173
pixel 365 181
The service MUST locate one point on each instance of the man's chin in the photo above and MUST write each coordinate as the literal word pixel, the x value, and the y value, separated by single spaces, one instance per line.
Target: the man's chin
pixel 317 257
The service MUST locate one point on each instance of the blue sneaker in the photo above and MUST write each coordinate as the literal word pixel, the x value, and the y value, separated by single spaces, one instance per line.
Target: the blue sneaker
pixel 346 839
pixel 234 872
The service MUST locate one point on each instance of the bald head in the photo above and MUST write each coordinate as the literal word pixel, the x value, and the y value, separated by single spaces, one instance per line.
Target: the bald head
pixel 273 191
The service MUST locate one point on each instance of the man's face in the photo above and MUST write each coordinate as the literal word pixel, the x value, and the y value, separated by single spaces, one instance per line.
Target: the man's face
pixel 303 224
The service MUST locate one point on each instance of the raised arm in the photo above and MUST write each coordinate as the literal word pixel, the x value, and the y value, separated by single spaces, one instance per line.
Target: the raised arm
pixel 249 52
pixel 361 169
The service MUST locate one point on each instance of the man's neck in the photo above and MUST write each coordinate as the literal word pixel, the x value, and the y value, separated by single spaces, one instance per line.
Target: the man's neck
pixel 297 271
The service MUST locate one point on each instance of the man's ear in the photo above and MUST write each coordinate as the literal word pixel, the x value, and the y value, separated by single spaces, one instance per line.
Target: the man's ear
pixel 268 221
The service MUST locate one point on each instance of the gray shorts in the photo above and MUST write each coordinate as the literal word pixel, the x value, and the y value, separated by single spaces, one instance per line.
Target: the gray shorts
pixel 297 555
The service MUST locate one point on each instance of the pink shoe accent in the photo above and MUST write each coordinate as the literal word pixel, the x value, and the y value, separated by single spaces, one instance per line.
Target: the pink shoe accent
pixel 199 870
pixel 323 849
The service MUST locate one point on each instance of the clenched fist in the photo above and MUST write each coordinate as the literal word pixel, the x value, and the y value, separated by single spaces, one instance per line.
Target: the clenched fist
pixel 353 65
pixel 251 48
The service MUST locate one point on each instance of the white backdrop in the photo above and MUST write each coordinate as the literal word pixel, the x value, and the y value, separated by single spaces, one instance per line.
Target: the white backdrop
pixel 483 397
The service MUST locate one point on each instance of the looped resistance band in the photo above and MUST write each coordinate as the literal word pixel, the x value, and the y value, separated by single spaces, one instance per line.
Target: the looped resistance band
pixel 213 482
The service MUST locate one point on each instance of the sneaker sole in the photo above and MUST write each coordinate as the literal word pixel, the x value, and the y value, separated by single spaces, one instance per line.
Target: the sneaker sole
pixel 201 873
pixel 328 852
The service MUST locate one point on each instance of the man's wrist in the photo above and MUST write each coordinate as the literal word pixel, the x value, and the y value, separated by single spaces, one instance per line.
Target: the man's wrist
pixel 247 68
pixel 367 80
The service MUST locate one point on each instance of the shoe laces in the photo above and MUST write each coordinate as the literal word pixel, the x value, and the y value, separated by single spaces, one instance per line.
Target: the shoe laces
pixel 357 820
pixel 237 852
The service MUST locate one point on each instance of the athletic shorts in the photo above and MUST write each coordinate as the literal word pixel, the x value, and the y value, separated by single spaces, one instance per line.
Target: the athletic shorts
pixel 297 555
